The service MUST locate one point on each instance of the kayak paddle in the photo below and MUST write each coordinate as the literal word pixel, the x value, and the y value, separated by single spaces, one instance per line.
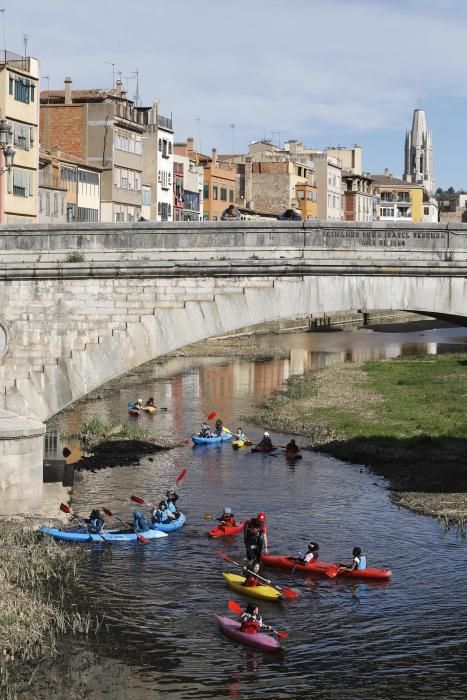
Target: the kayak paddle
pixel 212 415
pixel 140 537
pixel 286 592
pixel 179 479
pixel 142 502
pixel 66 509
pixel 234 607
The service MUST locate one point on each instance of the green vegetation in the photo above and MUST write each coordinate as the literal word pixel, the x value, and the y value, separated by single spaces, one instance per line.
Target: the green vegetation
pixel 95 431
pixel 75 257
pixel 35 574
pixel 406 418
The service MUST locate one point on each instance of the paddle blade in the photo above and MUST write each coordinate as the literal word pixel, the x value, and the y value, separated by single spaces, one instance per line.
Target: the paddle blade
pixel 64 508
pixel 224 556
pixel 208 516
pixel 331 573
pixel 281 635
pixel 234 607
pixel 142 538
pixel 187 442
pixel 290 593
pixel 180 476
pixel 108 512
pixel 212 415
pixel 136 499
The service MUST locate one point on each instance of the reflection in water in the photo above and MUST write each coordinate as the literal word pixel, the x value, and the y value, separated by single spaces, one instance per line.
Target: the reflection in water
pixel 404 639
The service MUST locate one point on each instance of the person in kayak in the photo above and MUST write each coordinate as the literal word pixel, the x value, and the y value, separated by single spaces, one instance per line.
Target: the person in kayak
pixel 150 403
pixel 219 429
pixel 227 518
pixel 96 521
pixel 240 435
pixel 161 515
pixel 255 538
pixel 138 404
pixel 292 448
pixel 358 562
pixel 311 555
pixel 205 431
pixel 251 578
pixel 266 442
pixel 171 499
pixel 251 620
pixel 139 523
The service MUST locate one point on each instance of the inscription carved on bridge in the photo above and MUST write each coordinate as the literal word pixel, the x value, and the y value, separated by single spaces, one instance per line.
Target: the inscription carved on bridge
pixel 390 238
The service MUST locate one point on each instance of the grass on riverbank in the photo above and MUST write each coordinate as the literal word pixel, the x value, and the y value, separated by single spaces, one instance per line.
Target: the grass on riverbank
pixel 406 418
pixel 35 573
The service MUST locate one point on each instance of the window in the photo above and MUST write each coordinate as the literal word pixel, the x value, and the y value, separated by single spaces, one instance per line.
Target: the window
pixel 206 190
pixel 87 214
pixel 70 212
pixel 300 194
pixel 223 194
pixel 127 141
pixel 88 177
pixel 387 212
pixel 231 196
pixel 20 183
pixel 47 203
pixel 21 88
pixel 426 211
pixel 146 198
pixel 40 202
pixel 68 173
pixel 22 135
pixel 160 144
pixel 214 192
pixel 55 204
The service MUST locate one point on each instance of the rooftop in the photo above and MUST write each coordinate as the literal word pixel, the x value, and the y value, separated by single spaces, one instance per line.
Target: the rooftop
pixel 50 154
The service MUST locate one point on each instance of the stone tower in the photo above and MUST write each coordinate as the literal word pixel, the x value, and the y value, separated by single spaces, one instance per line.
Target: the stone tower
pixel 419 153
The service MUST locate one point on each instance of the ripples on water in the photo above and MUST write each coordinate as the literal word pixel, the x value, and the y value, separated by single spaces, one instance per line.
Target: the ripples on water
pixel 407 638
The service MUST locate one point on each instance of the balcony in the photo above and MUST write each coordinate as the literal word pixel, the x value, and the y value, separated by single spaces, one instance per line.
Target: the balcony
pixel 164 122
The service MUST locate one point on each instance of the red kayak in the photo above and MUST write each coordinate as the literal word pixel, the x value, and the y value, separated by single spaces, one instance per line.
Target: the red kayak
pixel 134 412
pixel 323 568
pixel 225 530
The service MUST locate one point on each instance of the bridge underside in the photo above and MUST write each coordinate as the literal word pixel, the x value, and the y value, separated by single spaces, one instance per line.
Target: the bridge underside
pixel 89 331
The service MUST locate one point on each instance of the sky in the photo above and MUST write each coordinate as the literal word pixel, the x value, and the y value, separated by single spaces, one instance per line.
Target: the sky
pixel 324 72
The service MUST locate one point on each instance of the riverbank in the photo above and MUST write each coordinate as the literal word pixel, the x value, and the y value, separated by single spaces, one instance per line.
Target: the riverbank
pixel 406 419
pixel 34 575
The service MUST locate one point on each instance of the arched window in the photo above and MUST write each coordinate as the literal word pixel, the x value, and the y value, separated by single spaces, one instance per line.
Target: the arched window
pixel 421 163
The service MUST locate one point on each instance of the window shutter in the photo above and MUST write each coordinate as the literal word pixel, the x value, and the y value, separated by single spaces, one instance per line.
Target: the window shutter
pixel 31 190
pixel 31 134
pixel 10 182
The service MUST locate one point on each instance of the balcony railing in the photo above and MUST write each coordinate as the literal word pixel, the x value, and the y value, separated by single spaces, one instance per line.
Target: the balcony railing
pixel 21 62
pixel 164 122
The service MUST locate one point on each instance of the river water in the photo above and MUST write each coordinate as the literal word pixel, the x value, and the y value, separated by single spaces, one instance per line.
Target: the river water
pixel 404 639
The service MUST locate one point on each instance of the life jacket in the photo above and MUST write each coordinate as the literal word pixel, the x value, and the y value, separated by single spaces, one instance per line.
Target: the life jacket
pixel 97 524
pixel 361 562
pixel 309 557
pixel 251 581
pixel 171 506
pixel 228 520
pixel 160 517
pixel 250 625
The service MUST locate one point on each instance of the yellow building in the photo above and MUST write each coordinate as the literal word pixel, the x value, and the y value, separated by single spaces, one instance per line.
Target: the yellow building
pixel 398 200
pixel 19 104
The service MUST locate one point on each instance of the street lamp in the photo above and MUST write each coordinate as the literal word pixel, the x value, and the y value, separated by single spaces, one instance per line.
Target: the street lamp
pixel 7 156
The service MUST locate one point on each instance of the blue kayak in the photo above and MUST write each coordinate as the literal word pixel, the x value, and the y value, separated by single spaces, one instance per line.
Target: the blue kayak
pixel 170 527
pixel 79 534
pixel 224 437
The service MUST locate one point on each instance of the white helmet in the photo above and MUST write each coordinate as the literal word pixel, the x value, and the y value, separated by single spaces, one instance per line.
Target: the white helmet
pixel 140 400
pixel 266 434
pixel 228 511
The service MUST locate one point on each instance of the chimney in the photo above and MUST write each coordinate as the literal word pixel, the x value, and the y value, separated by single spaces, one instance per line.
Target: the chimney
pixel 386 172
pixel 190 144
pixel 214 156
pixel 118 88
pixel 68 83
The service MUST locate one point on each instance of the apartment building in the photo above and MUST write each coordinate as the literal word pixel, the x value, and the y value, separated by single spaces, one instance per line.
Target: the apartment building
pixel 359 202
pixel 104 128
pixel 19 105
pixel 328 179
pixel 270 180
pixel 158 163
pixel 398 200
pixel 188 183
pixel 69 188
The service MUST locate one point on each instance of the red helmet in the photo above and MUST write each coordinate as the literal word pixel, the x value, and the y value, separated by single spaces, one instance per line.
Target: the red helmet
pixel 261 517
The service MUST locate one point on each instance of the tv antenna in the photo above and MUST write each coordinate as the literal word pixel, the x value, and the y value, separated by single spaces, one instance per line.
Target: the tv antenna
pixel 109 63
pixel 4 32
pixel 232 126
pixel 25 42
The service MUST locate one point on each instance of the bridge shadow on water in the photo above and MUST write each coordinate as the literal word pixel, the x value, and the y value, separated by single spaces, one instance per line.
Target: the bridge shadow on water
pixel 422 463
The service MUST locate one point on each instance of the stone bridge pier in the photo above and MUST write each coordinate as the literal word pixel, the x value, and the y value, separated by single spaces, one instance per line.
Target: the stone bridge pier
pixel 137 291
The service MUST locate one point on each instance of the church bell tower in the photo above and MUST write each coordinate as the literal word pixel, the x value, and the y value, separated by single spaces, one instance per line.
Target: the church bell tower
pixel 419 153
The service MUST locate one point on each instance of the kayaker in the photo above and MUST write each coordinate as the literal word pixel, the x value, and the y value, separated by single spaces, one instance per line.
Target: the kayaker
pixel 139 523
pixel 161 515
pixel 266 442
pixel 251 620
pixel 205 431
pixel 358 561
pixel 138 404
pixel 219 429
pixel 240 435
pixel 251 578
pixel 96 521
pixel 255 537
pixel 311 555
pixel 292 447
pixel 171 499
pixel 150 403
pixel 227 517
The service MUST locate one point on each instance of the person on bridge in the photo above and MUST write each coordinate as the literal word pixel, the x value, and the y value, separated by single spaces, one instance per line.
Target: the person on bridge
pixel 290 215
pixel 255 538
pixel 230 214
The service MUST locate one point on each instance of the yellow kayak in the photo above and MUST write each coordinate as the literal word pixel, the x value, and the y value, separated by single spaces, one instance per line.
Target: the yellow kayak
pixel 234 581
pixel 236 444
pixel 149 409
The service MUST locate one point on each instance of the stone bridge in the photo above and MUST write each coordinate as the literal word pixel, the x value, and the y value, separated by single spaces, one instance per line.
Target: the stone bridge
pixel 83 304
